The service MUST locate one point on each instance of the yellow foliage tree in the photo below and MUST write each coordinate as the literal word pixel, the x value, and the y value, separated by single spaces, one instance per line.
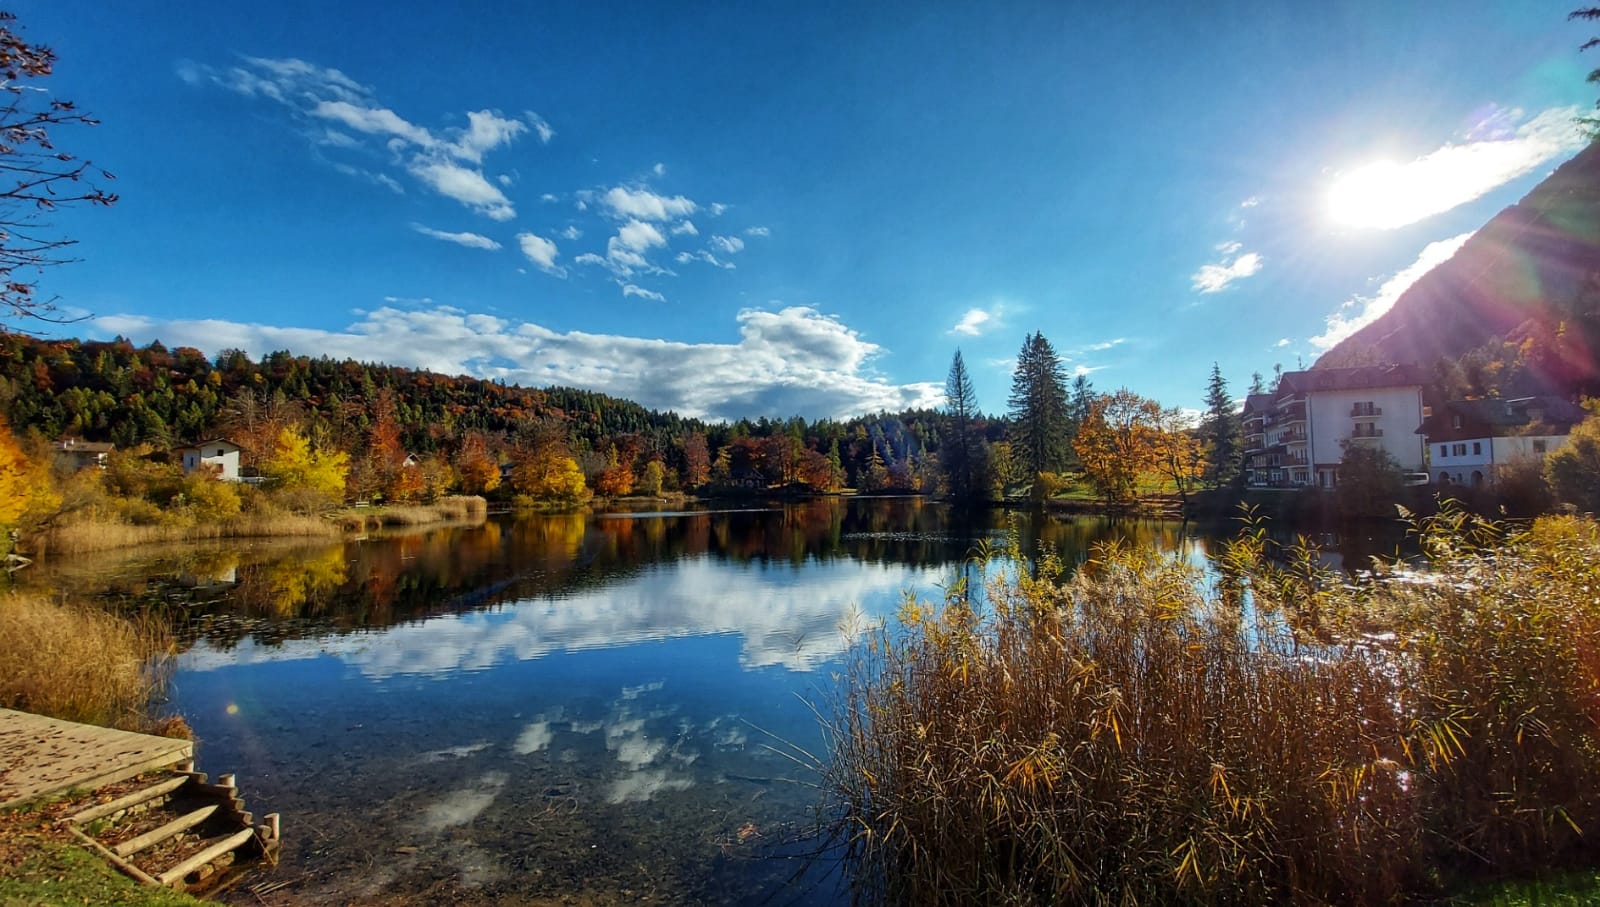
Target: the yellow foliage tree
pixel 547 473
pixel 1116 442
pixel 294 465
pixel 26 489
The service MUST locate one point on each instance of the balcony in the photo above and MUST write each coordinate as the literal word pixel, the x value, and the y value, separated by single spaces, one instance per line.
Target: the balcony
pixel 1365 409
pixel 1366 433
pixel 1292 437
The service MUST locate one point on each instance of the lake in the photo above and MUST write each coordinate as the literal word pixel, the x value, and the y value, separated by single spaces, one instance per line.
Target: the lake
pixel 611 708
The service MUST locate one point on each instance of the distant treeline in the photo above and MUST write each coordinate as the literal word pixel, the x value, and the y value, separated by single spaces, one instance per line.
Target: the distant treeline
pixel 167 397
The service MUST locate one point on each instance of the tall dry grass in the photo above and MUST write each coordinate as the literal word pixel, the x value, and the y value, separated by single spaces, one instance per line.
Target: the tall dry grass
pixel 454 508
pixel 80 664
pixel 1135 735
pixel 90 534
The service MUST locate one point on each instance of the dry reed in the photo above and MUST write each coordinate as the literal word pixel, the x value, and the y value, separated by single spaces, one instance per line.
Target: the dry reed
pixel 100 535
pixel 81 664
pixel 1133 736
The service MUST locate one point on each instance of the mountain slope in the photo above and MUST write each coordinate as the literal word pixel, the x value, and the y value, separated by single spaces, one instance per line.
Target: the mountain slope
pixel 1531 276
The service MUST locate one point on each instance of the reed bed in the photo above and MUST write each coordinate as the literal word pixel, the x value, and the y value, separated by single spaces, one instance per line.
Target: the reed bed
pixel 457 508
pixel 1133 735
pixel 87 535
pixel 81 664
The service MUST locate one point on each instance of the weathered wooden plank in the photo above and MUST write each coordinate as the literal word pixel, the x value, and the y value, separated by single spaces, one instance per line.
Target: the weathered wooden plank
pixel 156 835
pixel 41 756
pixel 176 873
pixel 113 859
pixel 133 799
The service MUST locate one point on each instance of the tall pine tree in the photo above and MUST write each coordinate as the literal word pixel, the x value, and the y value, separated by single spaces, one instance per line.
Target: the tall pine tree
pixel 1221 433
pixel 961 453
pixel 1039 407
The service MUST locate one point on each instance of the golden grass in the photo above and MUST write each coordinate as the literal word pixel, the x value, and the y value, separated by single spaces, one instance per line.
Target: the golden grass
pixel 451 509
pixel 102 535
pixel 1134 735
pixel 81 664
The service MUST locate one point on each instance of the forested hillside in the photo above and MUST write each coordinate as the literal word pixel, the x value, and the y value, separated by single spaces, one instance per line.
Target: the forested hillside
pixel 114 391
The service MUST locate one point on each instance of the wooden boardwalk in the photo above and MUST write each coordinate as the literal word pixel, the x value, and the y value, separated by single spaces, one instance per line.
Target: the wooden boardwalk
pixel 41 756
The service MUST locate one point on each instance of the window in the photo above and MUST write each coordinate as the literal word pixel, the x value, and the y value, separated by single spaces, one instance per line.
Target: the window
pixel 1477 448
pixel 1455 421
pixel 1538 447
pixel 1442 451
pixel 1459 450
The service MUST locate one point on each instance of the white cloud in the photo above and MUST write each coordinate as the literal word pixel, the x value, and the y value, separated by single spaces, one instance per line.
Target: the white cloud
pixel 372 120
pixel 639 236
pixel 1216 278
pixel 717 208
pixel 642 204
pixel 317 95
pixel 727 245
pixel 540 127
pixel 685 228
pixel 629 289
pixel 1228 248
pixel 1282 342
pixel 1340 325
pixel 540 251
pixel 1251 202
pixel 701 255
pixel 1385 195
pixel 465 185
pixel 485 132
pixel 758 231
pixel 659 169
pixel 971 324
pixel 377 179
pixel 470 240
pixel 1084 370
pixel 793 361
pixel 1105 345
pixel 572 232
pixel 549 197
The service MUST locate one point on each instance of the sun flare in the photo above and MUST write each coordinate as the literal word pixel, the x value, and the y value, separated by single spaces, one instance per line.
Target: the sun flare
pixel 1381 195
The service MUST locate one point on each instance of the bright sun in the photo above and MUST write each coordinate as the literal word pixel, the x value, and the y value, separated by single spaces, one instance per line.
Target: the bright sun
pixel 1374 196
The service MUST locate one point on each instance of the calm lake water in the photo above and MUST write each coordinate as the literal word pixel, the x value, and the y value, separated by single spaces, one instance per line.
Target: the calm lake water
pixel 606 708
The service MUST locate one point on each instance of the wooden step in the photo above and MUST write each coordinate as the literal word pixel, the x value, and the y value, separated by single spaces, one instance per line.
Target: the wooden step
pixel 156 836
pixel 175 875
pixel 130 800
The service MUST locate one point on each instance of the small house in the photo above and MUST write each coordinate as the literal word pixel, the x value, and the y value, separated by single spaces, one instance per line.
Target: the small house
pixel 218 455
pixel 1470 441
pixel 76 454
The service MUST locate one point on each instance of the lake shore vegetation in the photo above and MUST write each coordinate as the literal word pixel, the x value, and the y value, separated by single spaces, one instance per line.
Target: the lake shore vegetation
pixel 1135 734
pixel 83 664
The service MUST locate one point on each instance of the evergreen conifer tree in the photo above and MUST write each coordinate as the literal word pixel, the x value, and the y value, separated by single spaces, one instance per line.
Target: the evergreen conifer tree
pixel 1221 432
pixel 1039 407
pixel 959 453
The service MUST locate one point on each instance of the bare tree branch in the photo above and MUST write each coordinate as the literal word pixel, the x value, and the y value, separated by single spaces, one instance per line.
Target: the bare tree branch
pixel 35 177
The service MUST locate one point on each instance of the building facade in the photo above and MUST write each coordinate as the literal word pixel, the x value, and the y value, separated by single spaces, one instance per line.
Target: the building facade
pixel 1296 437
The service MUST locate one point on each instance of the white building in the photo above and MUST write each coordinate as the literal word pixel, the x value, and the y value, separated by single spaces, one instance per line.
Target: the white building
pixel 1470 441
pixel 1296 437
pixel 218 455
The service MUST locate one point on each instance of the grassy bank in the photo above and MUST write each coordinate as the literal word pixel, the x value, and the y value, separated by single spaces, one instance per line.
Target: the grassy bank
pixel 1134 735
pixel 43 866
pixel 81 664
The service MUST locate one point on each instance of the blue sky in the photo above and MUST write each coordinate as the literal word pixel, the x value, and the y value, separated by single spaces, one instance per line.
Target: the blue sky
pixel 793 208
